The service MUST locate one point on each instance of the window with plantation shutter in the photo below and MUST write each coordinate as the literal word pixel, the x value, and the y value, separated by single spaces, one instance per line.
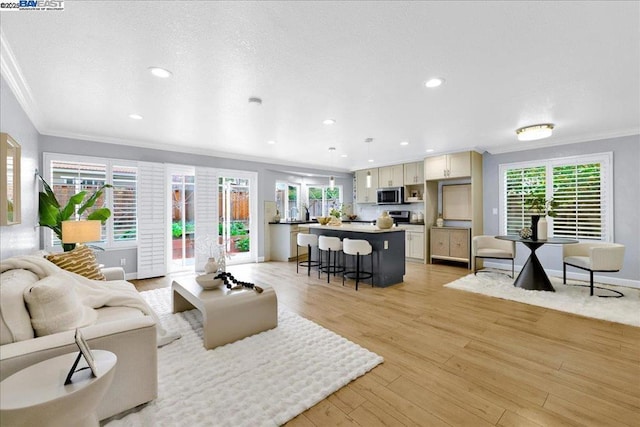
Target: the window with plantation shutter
pixel 125 198
pixel 67 175
pixel 581 185
pixel 518 181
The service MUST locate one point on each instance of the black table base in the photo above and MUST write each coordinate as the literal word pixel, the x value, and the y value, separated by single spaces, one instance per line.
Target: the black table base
pixel 532 275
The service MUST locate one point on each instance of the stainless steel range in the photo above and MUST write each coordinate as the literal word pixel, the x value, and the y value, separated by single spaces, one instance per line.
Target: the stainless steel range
pixel 400 216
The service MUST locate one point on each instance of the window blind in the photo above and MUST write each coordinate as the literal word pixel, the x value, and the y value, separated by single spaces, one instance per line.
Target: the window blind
pixel 69 178
pixel 152 224
pixel 519 182
pixel 124 196
pixel 578 189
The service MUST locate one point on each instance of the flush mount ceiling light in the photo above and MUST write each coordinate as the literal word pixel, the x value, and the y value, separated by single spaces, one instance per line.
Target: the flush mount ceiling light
pixel 404 143
pixel 271 142
pixel 135 116
pixel 255 101
pixel 531 133
pixel 160 72
pixel 434 82
pixel 329 122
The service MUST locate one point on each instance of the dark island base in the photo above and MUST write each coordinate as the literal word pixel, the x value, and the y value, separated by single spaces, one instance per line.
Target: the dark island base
pixel 388 264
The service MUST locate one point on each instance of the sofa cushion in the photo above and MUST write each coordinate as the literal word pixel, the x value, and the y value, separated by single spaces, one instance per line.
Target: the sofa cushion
pixel 110 314
pixel 54 306
pixel 15 323
pixel 80 260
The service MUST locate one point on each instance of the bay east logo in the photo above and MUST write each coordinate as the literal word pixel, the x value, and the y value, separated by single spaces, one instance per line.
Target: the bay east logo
pixel 32 5
pixel 41 4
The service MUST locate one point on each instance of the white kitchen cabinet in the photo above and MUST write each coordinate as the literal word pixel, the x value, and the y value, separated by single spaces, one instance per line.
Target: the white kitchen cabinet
pixel 391 176
pixel 414 241
pixel 364 194
pixel 284 240
pixel 413 173
pixel 457 165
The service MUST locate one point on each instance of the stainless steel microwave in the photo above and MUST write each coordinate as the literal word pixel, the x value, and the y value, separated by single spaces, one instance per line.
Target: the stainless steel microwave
pixel 390 196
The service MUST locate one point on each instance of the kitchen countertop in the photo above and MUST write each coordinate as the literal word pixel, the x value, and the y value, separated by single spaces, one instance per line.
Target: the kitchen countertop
pixel 360 228
pixel 356 221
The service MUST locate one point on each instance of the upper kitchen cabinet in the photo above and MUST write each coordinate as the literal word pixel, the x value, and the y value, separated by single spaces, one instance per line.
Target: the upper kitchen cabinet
pixel 457 165
pixel 391 176
pixel 364 194
pixel 414 173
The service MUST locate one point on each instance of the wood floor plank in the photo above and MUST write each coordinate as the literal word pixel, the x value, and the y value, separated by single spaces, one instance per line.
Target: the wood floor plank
pixel 511 419
pixel 371 415
pixel 457 358
pixel 436 404
pixel 585 416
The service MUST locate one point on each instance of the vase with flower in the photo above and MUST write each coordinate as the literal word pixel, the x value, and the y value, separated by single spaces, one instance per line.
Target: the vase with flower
pixel 540 208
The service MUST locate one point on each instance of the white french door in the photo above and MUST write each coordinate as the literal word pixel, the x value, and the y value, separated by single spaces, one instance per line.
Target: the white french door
pixel 237 215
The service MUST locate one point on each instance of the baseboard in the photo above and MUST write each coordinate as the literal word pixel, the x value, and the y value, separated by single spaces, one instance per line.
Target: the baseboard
pixel 260 259
pixel 131 276
pixel 609 280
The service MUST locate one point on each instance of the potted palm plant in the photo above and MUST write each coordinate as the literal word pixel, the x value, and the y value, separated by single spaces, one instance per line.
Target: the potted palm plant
pixel 51 213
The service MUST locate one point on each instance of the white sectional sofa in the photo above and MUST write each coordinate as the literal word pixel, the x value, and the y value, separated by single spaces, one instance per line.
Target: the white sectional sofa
pixel 125 331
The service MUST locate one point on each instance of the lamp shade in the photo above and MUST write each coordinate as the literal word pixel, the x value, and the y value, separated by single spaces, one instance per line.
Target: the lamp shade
pixel 81 231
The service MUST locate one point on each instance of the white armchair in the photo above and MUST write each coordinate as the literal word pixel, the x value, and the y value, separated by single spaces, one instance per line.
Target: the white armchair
pixel 490 247
pixel 593 256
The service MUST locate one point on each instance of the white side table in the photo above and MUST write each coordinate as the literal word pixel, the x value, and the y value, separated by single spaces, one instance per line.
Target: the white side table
pixel 37 395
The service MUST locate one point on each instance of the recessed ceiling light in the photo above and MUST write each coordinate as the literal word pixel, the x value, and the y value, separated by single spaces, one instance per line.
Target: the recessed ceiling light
pixel 271 142
pixel 430 150
pixel 434 82
pixel 404 143
pixel 531 133
pixel 329 122
pixel 135 116
pixel 370 160
pixel 343 155
pixel 160 72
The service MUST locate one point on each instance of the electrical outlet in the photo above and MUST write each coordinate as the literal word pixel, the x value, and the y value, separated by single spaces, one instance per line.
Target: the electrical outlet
pixel 386 244
pixel 123 262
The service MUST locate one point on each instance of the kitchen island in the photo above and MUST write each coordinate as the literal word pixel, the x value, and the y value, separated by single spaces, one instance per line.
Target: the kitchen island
pixel 388 248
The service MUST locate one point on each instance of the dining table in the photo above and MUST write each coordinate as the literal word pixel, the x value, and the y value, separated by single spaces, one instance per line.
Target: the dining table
pixel 532 276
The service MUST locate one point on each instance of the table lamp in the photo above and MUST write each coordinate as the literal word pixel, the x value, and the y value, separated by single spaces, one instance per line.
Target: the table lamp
pixel 81 231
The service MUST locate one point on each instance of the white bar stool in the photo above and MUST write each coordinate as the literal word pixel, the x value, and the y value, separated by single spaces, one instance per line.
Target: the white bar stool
pixel 329 244
pixel 358 248
pixel 310 241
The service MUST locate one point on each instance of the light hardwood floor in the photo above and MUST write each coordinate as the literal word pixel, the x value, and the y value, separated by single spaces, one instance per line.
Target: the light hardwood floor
pixel 454 358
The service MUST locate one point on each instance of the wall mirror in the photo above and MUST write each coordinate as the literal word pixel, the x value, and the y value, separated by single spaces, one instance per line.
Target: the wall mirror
pixel 10 180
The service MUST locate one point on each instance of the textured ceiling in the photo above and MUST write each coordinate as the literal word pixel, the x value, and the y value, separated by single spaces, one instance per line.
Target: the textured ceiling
pixel 81 72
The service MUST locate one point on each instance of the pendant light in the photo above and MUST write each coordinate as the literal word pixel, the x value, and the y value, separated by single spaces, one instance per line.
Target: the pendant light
pixel 332 179
pixel 368 182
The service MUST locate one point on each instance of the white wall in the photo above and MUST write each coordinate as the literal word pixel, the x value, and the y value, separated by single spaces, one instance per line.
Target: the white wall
pixel 21 238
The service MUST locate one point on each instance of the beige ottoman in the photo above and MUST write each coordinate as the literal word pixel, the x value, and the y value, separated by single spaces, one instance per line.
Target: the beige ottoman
pixel 227 315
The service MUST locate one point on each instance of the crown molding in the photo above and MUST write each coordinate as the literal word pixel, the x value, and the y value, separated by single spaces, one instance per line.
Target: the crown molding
pixel 271 162
pixel 12 73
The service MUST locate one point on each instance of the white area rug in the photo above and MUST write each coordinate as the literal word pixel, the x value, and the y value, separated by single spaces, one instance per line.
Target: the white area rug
pixel 262 380
pixel 572 299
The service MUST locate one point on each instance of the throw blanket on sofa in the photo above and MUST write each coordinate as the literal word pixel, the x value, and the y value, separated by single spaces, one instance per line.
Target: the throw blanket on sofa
pixel 92 293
